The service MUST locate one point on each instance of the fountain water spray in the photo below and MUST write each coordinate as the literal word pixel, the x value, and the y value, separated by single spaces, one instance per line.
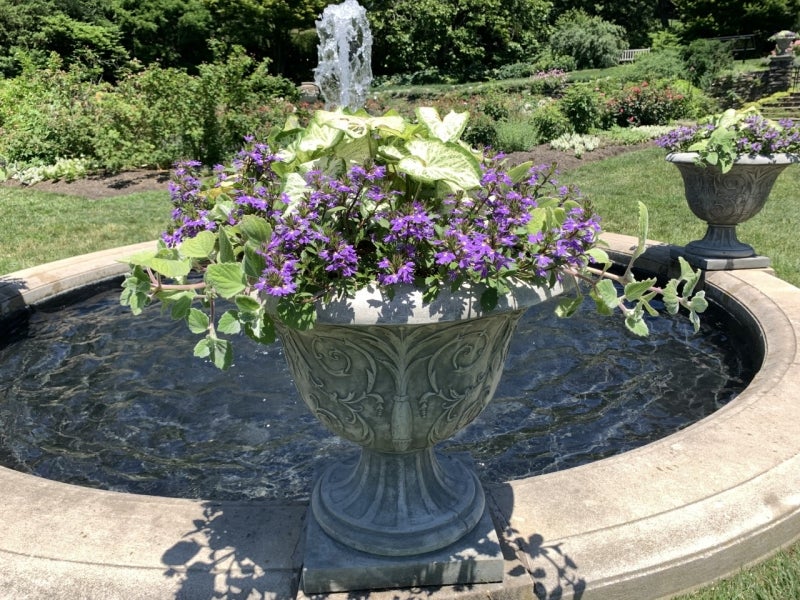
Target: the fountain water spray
pixel 344 71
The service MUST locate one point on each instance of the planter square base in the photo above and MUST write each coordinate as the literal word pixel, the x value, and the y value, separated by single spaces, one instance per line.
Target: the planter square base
pixel 720 264
pixel 330 566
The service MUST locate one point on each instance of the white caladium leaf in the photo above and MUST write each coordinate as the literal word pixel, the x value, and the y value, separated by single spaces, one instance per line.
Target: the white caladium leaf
pixel 448 129
pixel 431 161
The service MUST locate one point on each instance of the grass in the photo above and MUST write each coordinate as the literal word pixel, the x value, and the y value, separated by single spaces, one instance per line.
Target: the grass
pixel 41 227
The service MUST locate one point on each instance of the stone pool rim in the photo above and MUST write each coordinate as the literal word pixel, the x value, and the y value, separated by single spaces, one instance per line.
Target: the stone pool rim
pixel 650 523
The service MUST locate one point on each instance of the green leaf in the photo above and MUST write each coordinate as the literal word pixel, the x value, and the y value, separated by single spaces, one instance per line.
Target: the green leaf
pixel 200 246
pixel 448 129
pixel 222 354
pixel 219 351
pixel 226 252
pixel 297 315
pixel 520 171
pixel 226 278
pixel 163 262
pixel 180 305
pixel 294 186
pixel 670 297
pixel 174 269
pixel 636 289
pixel 698 303
pixel 635 324
pixel 256 228
pixel 197 321
pixel 317 137
pixel 568 306
pixel 538 220
pixel 262 330
pixel 253 263
pixel 690 276
pixel 599 256
pixel 142 258
pixel 202 349
pixel 605 296
pixel 229 323
pixel 489 299
pixel 247 303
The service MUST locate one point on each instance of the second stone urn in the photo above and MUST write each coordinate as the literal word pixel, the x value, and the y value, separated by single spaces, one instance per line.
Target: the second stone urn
pixel 723 201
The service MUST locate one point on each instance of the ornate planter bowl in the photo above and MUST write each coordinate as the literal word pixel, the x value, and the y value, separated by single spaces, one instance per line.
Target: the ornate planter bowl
pixel 723 200
pixel 396 376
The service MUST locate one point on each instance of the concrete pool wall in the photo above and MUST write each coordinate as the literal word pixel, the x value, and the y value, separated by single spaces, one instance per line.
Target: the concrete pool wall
pixel 650 523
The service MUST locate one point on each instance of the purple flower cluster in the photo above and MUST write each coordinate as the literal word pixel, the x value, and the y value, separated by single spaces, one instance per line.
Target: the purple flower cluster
pixel 754 134
pixel 190 213
pixel 369 223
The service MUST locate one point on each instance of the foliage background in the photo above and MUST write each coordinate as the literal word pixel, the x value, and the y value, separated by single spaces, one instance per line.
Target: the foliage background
pixel 458 38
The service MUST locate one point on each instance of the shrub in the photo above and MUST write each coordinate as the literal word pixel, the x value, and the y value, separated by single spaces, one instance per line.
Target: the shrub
pixel 149 119
pixel 548 83
pixel 658 64
pixel 705 60
pixel 644 104
pixel 590 40
pixel 516 135
pixel 579 144
pixel 495 104
pixel 518 70
pixel 581 104
pixel 46 113
pixel 481 131
pixel 547 60
pixel 549 121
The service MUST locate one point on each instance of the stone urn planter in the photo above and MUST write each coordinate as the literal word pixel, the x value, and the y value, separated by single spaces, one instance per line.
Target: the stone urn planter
pixel 723 200
pixel 396 376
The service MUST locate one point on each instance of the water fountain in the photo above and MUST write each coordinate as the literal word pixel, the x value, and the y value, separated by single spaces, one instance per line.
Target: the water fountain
pixel 344 71
pixel 673 514
pixel 632 525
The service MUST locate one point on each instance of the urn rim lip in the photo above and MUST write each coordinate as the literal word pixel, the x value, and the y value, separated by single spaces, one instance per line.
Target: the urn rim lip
pixel 779 158
pixel 371 305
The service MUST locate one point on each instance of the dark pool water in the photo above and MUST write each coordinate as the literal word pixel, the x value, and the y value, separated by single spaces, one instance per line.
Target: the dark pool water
pixel 94 396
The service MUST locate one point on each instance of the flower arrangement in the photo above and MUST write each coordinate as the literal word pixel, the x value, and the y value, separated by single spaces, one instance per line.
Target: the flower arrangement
pixel 353 200
pixel 720 139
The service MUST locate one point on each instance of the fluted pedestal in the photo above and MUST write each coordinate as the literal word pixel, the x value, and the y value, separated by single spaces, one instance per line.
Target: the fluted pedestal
pixel 332 566
pixel 398 504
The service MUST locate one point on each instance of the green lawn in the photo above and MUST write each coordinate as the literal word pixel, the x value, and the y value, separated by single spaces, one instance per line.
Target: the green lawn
pixel 41 227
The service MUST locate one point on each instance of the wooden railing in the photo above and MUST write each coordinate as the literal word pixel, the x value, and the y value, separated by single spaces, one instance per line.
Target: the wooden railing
pixel 631 55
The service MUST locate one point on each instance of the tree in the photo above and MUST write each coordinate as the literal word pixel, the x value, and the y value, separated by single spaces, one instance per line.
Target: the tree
pixel 638 17
pixel 173 33
pixel 463 38
pixel 77 30
pixel 714 18
pixel 274 29
pixel 590 40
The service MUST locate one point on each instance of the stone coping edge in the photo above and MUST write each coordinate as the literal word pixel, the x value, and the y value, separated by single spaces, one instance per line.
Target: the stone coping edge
pixel 668 517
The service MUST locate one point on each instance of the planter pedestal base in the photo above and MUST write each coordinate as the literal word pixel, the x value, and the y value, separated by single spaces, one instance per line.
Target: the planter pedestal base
pixel 720 264
pixel 330 566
